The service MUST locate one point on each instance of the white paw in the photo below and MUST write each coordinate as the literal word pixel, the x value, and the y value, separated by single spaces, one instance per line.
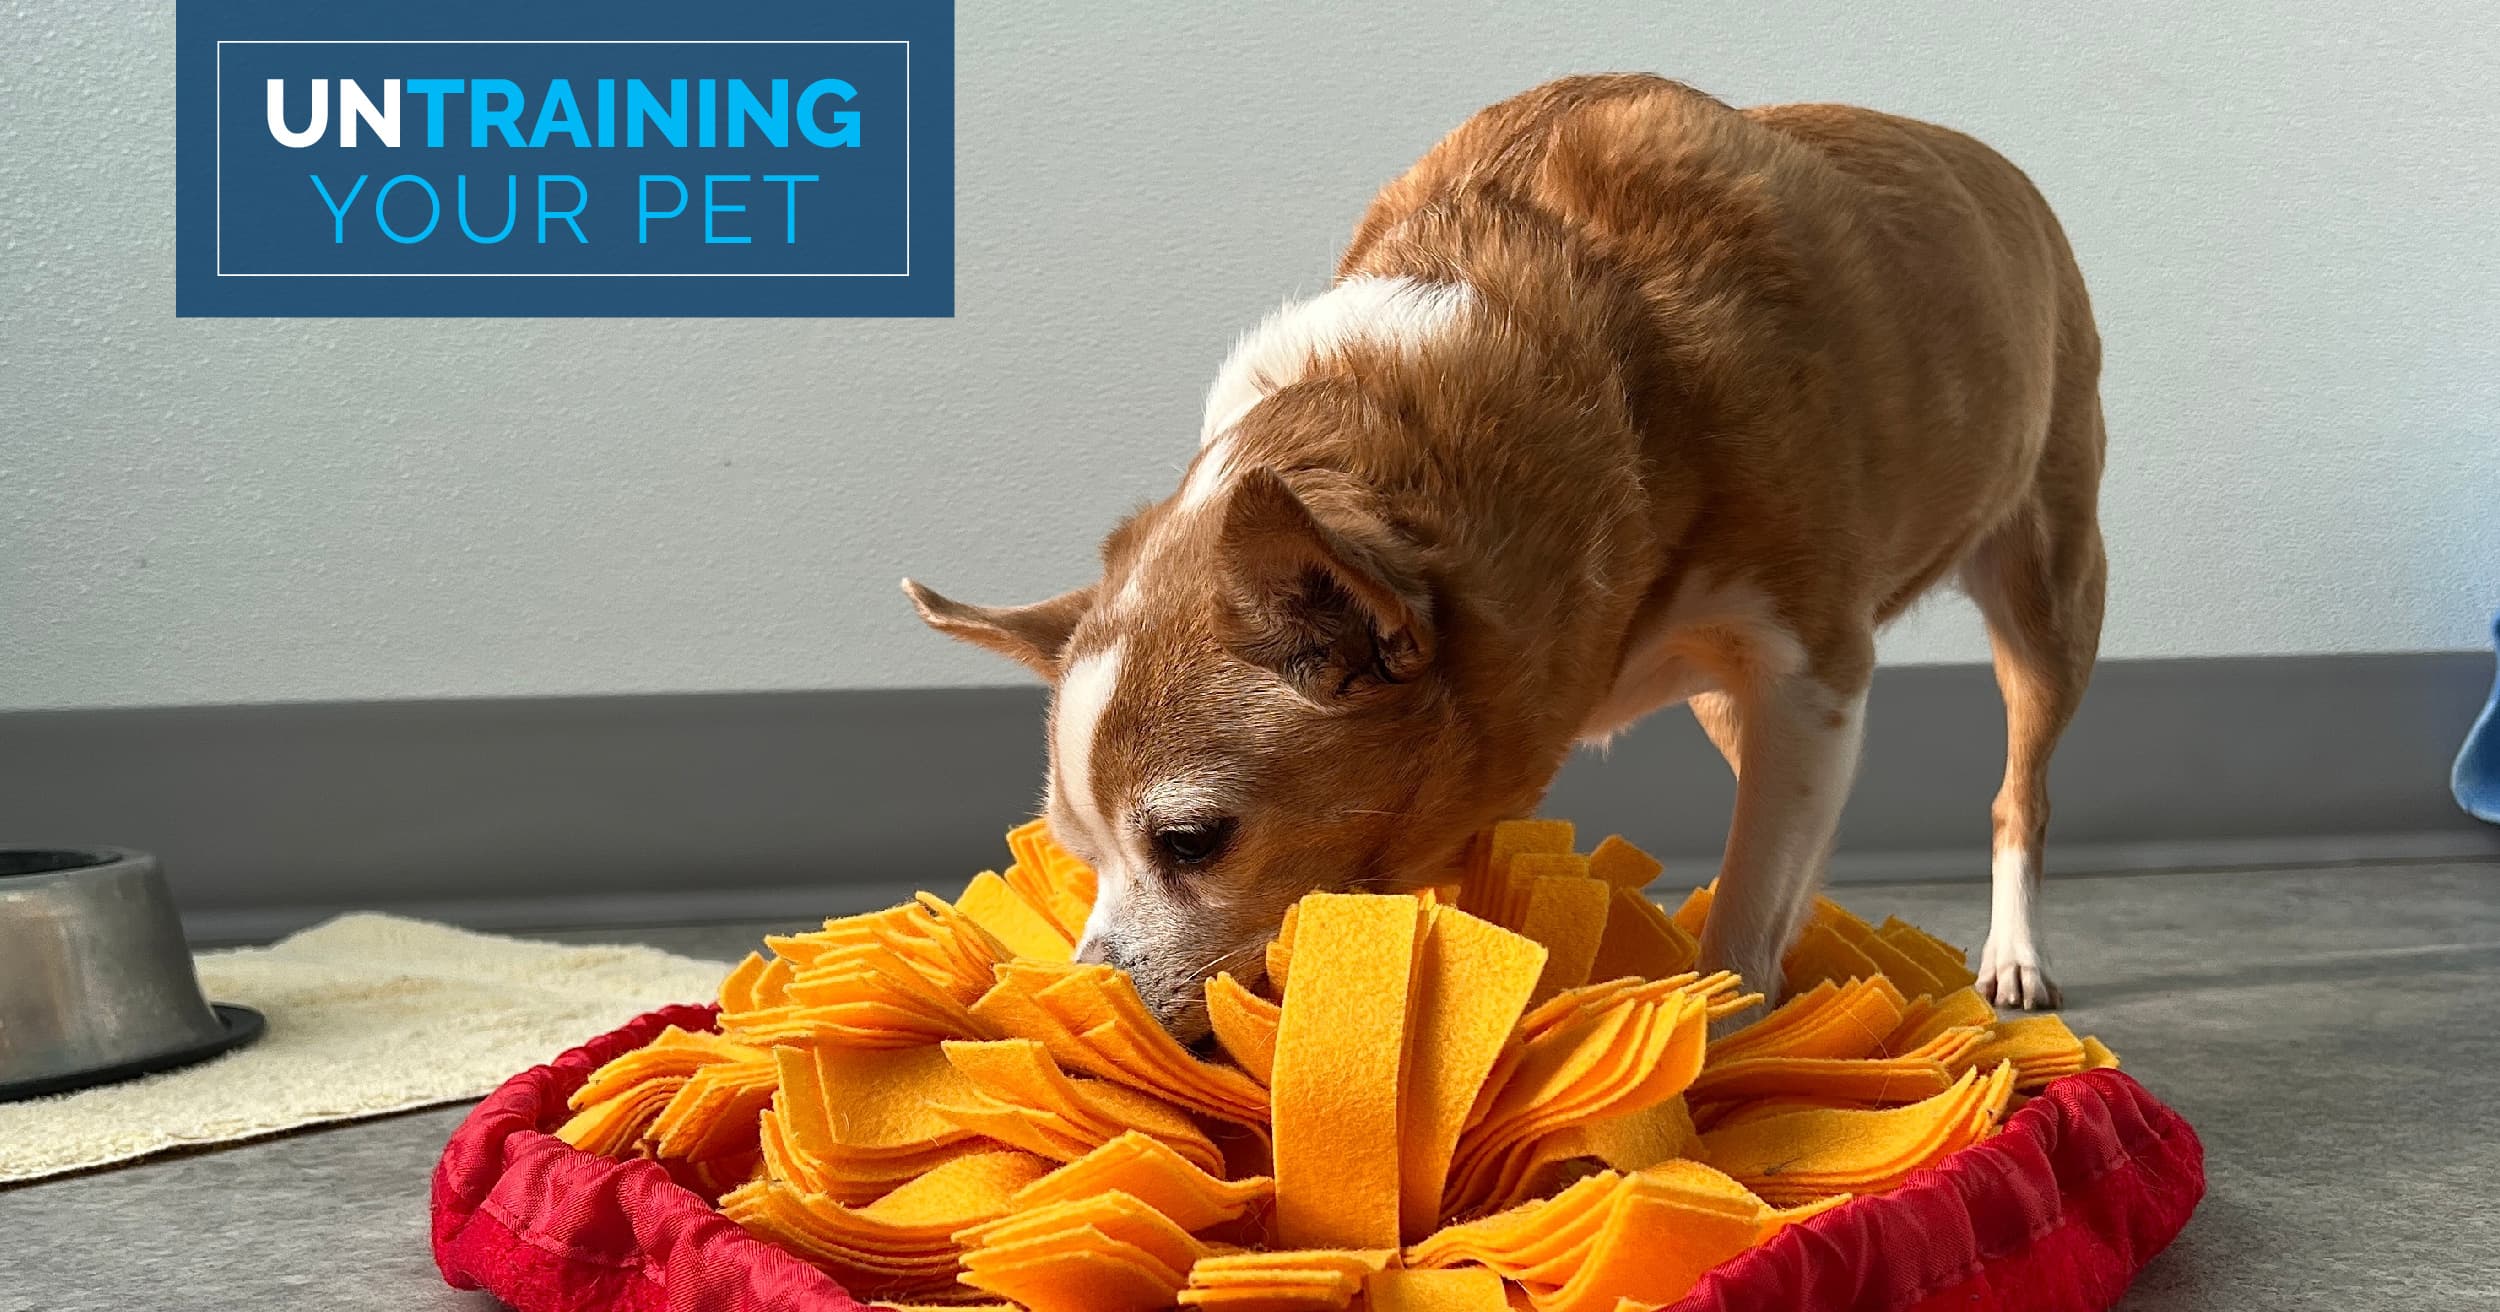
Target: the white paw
pixel 2015 974
pixel 1729 1024
pixel 1760 974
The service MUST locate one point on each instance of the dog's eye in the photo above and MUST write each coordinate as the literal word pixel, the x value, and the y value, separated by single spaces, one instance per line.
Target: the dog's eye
pixel 1194 843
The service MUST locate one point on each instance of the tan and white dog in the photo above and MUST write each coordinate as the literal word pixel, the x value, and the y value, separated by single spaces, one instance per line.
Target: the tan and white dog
pixel 1621 398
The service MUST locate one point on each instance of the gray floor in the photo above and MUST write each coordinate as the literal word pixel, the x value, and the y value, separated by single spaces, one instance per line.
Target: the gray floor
pixel 2334 1034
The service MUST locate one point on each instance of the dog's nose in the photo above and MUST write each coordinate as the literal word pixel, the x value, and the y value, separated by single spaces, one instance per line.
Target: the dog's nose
pixel 1100 951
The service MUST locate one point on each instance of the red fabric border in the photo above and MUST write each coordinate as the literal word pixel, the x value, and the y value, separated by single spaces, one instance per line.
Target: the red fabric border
pixel 2055 1214
pixel 546 1228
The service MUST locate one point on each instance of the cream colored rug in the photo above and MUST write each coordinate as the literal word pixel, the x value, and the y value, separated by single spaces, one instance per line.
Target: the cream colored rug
pixel 368 1014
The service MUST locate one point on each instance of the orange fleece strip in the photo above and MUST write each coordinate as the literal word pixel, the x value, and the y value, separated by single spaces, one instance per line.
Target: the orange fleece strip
pixel 1117 1216
pixel 1466 1289
pixel 1279 958
pixel 673 1054
pixel 1633 1141
pixel 1147 1169
pixel 1245 1024
pixel 1053 881
pixel 715 1113
pixel 1693 914
pixel 1641 1048
pixel 902 1243
pixel 1024 928
pixel 1310 1278
pixel 615 1123
pixel 1826 1021
pixel 1623 865
pixel 1513 837
pixel 2040 1047
pixel 1339 1048
pixel 1906 972
pixel 1650 1250
pixel 1641 941
pixel 1876 1080
pixel 1085 1271
pixel 1091 1019
pixel 1491 890
pixel 1931 1016
pixel 1822 953
pixel 1513 1241
pixel 1471 983
pixel 1947 964
pixel 1025 1099
pixel 1804 1155
pixel 1566 913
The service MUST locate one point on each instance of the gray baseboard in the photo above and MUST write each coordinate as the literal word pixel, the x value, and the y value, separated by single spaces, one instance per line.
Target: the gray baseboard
pixel 617 810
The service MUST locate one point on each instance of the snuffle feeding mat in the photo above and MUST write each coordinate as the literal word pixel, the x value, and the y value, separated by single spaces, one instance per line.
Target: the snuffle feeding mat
pixel 1496 1094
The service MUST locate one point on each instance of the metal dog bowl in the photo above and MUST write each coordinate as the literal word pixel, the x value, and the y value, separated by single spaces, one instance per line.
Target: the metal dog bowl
pixel 96 983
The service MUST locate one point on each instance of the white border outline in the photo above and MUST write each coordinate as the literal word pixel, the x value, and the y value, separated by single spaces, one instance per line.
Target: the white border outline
pixel 218 187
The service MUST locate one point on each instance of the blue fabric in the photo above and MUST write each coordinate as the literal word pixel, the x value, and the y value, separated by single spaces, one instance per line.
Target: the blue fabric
pixel 2476 780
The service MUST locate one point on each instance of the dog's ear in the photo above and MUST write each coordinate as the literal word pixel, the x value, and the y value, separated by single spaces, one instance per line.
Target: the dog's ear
pixel 1033 635
pixel 1331 610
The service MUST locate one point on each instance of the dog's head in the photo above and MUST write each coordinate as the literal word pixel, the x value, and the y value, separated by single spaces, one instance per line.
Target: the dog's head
pixel 1249 706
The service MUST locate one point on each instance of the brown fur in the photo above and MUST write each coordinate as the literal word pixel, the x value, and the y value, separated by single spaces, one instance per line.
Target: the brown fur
pixel 1823 354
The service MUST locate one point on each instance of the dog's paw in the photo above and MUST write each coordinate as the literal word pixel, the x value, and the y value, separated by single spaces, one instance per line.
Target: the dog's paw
pixel 1759 973
pixel 2015 976
pixel 1734 1021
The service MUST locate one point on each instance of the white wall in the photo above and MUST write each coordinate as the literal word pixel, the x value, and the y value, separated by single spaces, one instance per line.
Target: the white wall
pixel 2285 212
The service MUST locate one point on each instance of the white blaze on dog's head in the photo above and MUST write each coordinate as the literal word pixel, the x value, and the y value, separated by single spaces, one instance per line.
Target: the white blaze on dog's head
pixel 1076 715
pixel 1408 314
pixel 1405 312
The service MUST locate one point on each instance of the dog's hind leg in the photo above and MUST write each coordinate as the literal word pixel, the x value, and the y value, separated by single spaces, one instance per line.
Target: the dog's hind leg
pixel 2039 580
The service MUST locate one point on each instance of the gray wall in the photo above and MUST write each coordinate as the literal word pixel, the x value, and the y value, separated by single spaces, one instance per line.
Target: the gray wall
pixel 2285 211
pixel 578 811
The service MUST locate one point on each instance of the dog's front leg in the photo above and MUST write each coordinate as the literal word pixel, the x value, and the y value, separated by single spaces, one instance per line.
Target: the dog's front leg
pixel 1798 739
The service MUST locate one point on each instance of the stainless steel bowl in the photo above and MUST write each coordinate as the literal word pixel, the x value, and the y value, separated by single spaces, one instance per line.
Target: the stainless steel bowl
pixel 96 983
